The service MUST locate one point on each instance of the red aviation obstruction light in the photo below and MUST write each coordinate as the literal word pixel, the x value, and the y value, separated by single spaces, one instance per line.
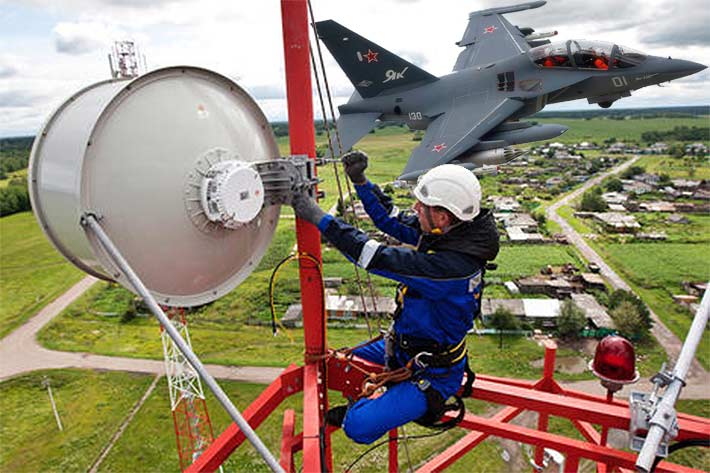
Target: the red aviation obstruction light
pixel 615 362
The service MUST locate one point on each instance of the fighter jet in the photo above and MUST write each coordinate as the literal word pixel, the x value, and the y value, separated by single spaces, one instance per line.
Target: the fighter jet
pixel 505 72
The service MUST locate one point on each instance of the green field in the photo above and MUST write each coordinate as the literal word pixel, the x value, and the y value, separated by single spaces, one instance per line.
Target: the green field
pixel 22 174
pixel 677 167
pixel 32 272
pixel 655 272
pixel 91 405
pixel 599 129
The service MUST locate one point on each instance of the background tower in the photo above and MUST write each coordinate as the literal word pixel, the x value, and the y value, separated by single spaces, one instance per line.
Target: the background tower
pixel 125 60
pixel 193 428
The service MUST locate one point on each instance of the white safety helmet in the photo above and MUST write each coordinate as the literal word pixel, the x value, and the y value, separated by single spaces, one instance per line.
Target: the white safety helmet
pixel 452 187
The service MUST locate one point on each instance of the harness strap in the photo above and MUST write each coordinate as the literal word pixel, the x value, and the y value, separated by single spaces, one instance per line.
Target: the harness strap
pixel 431 354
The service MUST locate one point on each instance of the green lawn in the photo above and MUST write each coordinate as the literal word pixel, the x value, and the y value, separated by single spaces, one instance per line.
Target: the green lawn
pixel 520 260
pixel 623 130
pixel 655 271
pixel 581 226
pixel 32 272
pixel 677 167
pixel 148 444
pixel 92 405
pixel 22 173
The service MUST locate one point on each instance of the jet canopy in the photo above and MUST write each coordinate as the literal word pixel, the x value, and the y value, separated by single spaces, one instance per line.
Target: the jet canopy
pixel 583 54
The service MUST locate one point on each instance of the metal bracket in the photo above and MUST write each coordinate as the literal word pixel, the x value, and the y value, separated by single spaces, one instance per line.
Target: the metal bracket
pixel 282 178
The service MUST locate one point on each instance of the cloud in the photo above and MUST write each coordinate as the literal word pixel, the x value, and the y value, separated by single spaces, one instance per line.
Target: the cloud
pixel 267 92
pixel 572 12
pixel 7 70
pixel 19 99
pixel 678 24
pixel 81 38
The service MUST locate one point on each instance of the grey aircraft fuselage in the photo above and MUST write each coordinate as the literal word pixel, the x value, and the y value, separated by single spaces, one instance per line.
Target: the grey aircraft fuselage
pixel 504 72
pixel 417 105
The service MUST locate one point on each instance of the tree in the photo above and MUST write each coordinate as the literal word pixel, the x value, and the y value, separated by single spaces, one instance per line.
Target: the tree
pixel 628 320
pixel 619 296
pixel 632 171
pixel 503 319
pixel 592 202
pixel 571 320
pixel 614 185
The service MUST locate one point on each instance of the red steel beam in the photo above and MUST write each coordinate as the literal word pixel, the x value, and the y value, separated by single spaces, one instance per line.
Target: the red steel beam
pixel 573 449
pixel 393 457
pixel 294 14
pixel 288 383
pixel 287 437
pixel 464 445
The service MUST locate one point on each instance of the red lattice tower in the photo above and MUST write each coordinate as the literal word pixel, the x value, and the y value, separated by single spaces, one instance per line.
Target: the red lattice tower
pixel 193 428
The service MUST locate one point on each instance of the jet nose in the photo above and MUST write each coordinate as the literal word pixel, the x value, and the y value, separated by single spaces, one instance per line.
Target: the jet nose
pixel 686 67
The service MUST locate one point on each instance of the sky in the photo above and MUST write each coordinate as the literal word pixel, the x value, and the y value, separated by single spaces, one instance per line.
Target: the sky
pixel 49 49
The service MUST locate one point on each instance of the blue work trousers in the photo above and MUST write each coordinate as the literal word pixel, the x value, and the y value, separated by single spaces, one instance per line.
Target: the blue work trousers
pixel 369 419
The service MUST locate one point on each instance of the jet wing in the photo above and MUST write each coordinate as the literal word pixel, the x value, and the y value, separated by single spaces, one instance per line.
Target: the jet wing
pixel 458 129
pixel 351 127
pixel 489 37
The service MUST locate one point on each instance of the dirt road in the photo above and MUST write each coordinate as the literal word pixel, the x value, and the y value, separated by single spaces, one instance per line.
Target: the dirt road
pixel 20 352
pixel 665 337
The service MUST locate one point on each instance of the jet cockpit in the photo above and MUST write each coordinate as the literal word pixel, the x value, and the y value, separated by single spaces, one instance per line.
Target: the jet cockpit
pixel 584 54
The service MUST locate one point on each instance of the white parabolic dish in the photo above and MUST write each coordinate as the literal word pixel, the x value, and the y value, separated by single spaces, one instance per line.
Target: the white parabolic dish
pixel 133 153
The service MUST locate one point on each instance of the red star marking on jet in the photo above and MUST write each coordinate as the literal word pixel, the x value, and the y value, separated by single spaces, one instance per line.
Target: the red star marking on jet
pixel 489 29
pixel 371 56
pixel 439 148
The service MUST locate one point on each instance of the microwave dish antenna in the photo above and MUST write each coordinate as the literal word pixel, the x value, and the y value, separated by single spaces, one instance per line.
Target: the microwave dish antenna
pixel 166 162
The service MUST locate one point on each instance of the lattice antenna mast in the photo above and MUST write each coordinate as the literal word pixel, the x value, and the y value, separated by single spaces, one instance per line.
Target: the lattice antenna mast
pixel 193 428
pixel 126 61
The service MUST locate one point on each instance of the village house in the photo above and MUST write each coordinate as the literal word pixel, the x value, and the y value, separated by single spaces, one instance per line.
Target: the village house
pixel 504 204
pixel 650 179
pixel 545 312
pixel 672 192
pixel 593 310
pixel 696 149
pixel 343 308
pixel 614 198
pixel 656 148
pixel 585 145
pixel 685 184
pixel 636 187
pixel 617 222
pixel 592 281
pixel 678 218
pixel 656 206
pixel 652 236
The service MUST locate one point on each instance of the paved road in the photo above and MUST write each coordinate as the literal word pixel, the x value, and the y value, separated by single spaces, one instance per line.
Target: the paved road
pixel 665 337
pixel 21 353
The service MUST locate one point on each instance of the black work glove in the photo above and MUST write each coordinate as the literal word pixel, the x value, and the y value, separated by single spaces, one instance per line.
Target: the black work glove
pixel 355 163
pixel 306 208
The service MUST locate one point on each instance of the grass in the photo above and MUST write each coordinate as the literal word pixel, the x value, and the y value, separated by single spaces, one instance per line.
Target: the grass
pixel 32 272
pixel 22 173
pixel 92 405
pixel 520 260
pixel 149 442
pixel 686 167
pixel 623 130
pixel 579 225
pixel 655 272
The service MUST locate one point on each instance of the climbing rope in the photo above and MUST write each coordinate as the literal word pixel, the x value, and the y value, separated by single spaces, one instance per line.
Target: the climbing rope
pixel 335 156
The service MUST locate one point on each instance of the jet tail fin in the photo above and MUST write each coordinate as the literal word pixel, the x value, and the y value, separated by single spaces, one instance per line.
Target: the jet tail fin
pixel 371 68
pixel 351 127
